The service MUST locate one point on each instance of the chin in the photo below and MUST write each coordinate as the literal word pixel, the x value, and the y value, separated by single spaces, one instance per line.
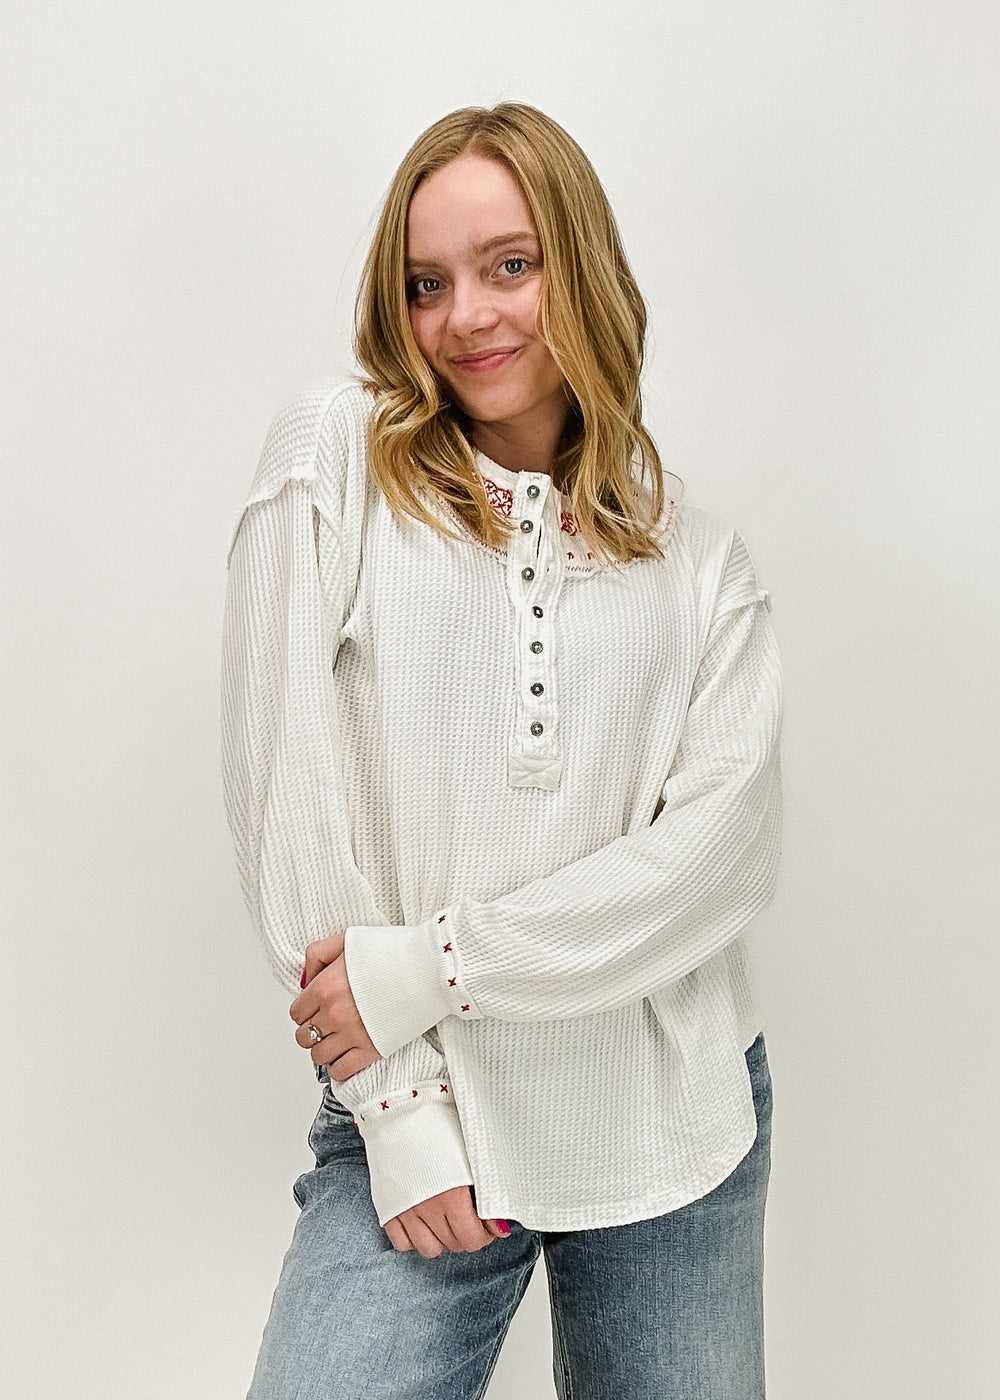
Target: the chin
pixel 491 408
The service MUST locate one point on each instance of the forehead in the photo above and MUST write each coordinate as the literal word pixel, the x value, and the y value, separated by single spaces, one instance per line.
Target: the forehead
pixel 463 205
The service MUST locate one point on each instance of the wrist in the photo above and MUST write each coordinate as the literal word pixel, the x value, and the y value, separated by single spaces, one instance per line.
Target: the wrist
pixel 404 980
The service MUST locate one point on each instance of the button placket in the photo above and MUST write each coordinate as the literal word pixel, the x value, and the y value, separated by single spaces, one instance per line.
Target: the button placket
pixel 534 578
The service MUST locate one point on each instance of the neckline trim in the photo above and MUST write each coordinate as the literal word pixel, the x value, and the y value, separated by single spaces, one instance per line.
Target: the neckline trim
pixel 500 484
pixel 503 476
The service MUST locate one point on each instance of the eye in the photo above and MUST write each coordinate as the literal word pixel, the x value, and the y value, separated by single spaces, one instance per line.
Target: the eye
pixel 420 287
pixel 515 265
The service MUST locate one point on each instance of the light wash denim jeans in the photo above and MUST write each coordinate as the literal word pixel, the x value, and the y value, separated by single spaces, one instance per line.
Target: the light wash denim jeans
pixel 662 1309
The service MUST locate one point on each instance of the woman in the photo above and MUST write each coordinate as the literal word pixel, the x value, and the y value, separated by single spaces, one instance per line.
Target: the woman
pixel 501 725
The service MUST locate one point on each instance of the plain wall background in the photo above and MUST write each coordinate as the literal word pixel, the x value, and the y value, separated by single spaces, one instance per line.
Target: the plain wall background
pixel 809 195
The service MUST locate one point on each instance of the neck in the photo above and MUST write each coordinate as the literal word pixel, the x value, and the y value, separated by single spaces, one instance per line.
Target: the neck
pixel 519 447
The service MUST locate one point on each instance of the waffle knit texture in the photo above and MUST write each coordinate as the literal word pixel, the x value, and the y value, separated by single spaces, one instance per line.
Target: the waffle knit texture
pixel 540 796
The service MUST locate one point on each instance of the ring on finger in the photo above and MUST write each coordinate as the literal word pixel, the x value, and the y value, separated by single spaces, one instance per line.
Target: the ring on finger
pixel 314 1033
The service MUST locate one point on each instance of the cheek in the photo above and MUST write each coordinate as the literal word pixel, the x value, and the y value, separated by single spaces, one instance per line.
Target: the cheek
pixel 422 328
pixel 525 313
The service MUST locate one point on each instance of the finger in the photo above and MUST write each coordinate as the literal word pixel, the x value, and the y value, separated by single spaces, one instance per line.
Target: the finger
pixel 332 1047
pixel 303 1037
pixel 304 1007
pixel 469 1232
pixel 397 1235
pixel 345 1066
pixel 495 1231
pixel 437 1218
pixel 321 953
pixel 327 1046
pixel 470 1238
pixel 327 994
pixel 424 1239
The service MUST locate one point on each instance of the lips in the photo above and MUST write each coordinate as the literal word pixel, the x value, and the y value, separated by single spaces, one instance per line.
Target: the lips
pixel 485 360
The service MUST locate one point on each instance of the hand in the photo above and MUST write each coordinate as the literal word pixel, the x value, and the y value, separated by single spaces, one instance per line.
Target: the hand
pixel 327 1002
pixel 445 1221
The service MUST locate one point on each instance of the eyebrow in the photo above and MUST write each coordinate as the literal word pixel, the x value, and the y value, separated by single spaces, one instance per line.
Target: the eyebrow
pixel 518 236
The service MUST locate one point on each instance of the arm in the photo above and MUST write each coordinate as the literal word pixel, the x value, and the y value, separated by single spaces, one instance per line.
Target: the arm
pixel 281 750
pixel 639 913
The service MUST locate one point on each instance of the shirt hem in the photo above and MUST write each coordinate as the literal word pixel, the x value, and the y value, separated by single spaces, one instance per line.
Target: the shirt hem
pixel 608 1215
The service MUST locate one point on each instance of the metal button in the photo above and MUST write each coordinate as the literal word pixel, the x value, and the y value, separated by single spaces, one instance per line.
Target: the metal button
pixel 536 728
pixel 537 688
pixel 536 646
pixel 532 491
pixel 537 611
pixel 529 574
pixel 527 526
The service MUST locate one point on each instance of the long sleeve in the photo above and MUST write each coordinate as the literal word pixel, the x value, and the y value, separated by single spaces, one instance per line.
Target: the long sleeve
pixel 284 790
pixel 638 913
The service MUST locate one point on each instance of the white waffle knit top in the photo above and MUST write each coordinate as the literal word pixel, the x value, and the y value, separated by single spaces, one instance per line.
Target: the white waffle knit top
pixel 541 798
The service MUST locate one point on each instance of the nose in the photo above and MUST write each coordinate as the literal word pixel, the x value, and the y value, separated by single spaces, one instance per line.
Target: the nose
pixel 472 308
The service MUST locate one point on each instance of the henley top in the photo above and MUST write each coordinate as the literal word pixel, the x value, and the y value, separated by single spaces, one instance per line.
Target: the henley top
pixel 540 796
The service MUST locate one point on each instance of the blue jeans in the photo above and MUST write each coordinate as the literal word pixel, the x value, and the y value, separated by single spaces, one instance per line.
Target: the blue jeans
pixel 663 1309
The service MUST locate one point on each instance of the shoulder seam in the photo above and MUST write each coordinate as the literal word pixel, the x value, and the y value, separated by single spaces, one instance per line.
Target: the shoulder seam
pixel 303 457
pixel 292 445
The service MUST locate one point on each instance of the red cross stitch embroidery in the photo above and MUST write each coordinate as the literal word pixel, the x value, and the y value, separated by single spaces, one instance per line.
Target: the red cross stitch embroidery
pixel 444 1088
pixel 502 499
pixel 446 948
pixel 465 1008
pixel 385 1103
pixel 452 981
pixel 413 1093
pixel 441 919
pixel 499 496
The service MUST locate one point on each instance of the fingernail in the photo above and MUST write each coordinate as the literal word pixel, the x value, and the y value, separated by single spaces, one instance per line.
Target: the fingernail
pixel 502 1226
pixel 302 979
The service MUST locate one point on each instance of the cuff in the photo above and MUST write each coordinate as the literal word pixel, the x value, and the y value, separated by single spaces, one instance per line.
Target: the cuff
pixel 414 1145
pixel 405 979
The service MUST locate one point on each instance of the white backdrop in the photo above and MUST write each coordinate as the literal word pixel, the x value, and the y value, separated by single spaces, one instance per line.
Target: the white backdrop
pixel 809 195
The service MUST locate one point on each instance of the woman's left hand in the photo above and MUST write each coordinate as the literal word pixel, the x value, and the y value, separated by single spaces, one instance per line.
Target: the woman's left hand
pixel 327 1003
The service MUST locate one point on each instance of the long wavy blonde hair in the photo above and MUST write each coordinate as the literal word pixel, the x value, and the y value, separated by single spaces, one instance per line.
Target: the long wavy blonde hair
pixel 591 317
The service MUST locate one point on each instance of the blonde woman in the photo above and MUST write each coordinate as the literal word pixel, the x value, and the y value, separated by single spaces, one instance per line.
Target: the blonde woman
pixel 501 721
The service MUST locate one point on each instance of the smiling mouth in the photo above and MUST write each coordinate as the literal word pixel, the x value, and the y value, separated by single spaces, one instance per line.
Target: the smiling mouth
pixel 488 360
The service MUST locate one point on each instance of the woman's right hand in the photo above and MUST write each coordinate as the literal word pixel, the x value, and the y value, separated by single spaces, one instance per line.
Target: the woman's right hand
pixel 445 1221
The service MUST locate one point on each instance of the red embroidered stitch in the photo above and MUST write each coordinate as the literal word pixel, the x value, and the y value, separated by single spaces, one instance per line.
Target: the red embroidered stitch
pixel 452 981
pixel 503 499
pixel 446 948
pixel 465 1008
pixel 444 1088
pixel 499 496
pixel 385 1103
pixel 413 1093
pixel 441 920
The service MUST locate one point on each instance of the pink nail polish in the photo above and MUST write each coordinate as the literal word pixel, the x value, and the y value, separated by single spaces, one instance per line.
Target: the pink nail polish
pixel 302 980
pixel 503 1227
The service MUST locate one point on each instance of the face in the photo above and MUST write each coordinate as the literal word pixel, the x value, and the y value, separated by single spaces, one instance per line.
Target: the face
pixel 473 274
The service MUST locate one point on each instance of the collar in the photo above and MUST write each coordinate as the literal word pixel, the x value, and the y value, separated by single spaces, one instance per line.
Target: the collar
pixel 501 483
